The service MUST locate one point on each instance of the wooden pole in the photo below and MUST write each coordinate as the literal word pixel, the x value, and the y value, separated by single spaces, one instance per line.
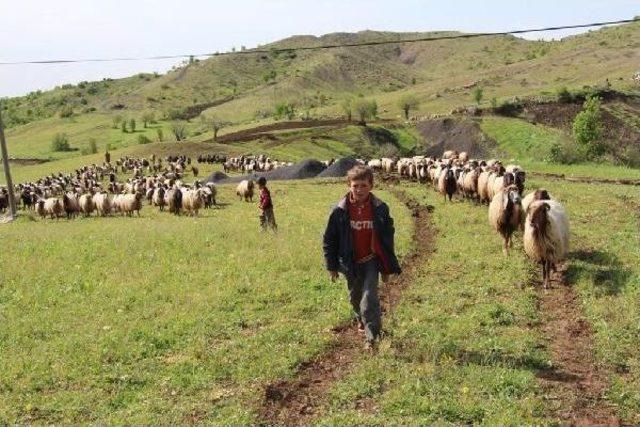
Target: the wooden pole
pixel 7 171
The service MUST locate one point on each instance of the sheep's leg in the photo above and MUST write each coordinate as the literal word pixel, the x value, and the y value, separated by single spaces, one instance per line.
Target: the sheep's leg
pixel 544 274
pixel 505 246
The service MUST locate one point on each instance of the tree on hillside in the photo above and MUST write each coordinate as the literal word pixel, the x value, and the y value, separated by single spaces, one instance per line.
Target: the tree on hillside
pixel 366 109
pixel 147 117
pixel 347 108
pixel 123 126
pixel 214 123
pixel 477 94
pixel 117 119
pixel 179 130
pixel 132 124
pixel 285 109
pixel 587 127
pixel 60 142
pixel 407 103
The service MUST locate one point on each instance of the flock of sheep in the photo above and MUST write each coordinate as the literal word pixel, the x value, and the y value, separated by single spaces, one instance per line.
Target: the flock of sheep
pixel 542 219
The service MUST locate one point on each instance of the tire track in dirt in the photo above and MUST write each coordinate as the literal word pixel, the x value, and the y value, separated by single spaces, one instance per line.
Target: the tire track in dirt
pixel 575 385
pixel 297 401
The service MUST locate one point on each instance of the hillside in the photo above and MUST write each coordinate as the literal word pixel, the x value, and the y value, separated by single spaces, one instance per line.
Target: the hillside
pixel 440 73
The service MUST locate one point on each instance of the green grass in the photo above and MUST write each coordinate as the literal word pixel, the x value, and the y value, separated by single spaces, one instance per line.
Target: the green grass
pixel 163 319
pixel 519 139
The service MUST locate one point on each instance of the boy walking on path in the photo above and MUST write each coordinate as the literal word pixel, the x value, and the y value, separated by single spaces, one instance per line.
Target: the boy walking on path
pixel 267 219
pixel 359 242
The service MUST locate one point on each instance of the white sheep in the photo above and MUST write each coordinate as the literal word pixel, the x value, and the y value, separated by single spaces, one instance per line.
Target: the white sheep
pixel 505 212
pixel 192 201
pixel 128 203
pixel 546 235
pixel 86 204
pixel 102 201
pixel 52 207
pixel 244 190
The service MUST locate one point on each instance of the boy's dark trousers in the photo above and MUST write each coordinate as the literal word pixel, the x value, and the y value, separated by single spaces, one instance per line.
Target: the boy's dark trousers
pixel 267 218
pixel 363 293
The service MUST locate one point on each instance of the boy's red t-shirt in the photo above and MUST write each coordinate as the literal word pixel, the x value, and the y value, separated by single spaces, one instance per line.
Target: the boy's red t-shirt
pixel 361 216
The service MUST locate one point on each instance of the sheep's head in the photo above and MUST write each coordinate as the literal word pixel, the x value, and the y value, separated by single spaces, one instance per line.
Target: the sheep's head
pixel 538 217
pixel 512 195
pixel 541 194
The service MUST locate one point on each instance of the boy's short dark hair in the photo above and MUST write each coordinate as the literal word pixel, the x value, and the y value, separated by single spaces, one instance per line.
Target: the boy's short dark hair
pixel 360 172
pixel 262 181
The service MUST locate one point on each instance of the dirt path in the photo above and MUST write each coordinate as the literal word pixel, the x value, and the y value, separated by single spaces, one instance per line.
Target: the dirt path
pixel 574 385
pixel 298 401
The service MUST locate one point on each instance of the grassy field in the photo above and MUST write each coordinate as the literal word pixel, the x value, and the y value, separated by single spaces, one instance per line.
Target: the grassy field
pixel 164 319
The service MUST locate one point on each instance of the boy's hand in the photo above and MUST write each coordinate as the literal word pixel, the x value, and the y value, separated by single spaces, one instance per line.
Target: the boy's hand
pixel 333 275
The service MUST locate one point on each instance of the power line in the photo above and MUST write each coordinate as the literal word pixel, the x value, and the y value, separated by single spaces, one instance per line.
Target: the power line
pixel 331 46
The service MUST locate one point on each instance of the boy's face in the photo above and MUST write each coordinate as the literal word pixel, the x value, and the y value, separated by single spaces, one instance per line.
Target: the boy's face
pixel 360 189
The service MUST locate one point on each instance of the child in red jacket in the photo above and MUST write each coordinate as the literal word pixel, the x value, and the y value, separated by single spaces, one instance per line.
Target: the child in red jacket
pixel 267 218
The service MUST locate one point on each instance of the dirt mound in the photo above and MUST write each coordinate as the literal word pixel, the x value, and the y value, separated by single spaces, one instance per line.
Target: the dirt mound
pixel 454 134
pixel 309 168
pixel 339 168
pixel 217 177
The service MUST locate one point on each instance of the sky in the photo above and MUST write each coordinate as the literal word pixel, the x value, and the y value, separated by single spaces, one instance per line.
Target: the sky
pixel 81 29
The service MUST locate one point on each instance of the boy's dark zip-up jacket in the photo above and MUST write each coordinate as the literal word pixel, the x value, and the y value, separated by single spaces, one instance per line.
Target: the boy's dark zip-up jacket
pixel 338 241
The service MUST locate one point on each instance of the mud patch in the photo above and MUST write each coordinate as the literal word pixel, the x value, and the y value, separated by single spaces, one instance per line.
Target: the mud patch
pixel 453 133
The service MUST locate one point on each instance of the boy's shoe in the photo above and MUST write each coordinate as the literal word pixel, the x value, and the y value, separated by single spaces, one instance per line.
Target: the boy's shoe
pixel 360 326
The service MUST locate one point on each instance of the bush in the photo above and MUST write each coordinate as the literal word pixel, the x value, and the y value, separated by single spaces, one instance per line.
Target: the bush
pixel 366 109
pixel 116 121
pixel 179 130
pixel 142 139
pixel 60 142
pixel 93 146
pixel 66 111
pixel 388 150
pixel 564 95
pixel 477 94
pixel 587 128
pixel 123 126
pixel 407 103
pixel 285 109
pixel 132 124
pixel 160 134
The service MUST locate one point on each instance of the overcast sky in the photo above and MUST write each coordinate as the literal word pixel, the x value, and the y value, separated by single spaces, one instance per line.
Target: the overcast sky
pixel 79 29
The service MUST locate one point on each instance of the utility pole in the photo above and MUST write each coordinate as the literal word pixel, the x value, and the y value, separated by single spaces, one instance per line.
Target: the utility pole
pixel 7 172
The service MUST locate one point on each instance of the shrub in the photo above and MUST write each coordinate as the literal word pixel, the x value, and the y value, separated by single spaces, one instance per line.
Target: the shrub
pixel 142 139
pixel 132 124
pixel 93 146
pixel 160 134
pixel 564 95
pixel 66 111
pixel 477 94
pixel 347 108
pixel 179 130
pixel 408 102
pixel 366 109
pixel 123 126
pixel 587 127
pixel 388 150
pixel 285 109
pixel 116 121
pixel 60 142
pixel 148 117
